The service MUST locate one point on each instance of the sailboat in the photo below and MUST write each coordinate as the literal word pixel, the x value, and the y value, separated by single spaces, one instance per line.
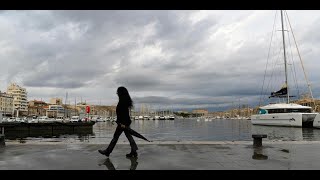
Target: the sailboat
pixel 286 114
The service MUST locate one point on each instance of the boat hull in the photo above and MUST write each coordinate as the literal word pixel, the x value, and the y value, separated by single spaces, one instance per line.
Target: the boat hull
pixel 285 119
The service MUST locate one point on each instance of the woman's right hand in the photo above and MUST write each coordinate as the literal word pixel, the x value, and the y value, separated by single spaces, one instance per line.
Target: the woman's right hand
pixel 123 126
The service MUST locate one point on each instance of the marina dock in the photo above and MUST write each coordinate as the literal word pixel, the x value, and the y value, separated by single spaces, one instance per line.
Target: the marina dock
pixel 22 130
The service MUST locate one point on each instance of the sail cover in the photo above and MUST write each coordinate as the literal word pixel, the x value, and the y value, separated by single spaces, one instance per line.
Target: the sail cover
pixel 281 93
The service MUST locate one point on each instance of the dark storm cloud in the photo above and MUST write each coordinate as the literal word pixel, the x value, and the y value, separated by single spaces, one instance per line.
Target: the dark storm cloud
pixel 207 58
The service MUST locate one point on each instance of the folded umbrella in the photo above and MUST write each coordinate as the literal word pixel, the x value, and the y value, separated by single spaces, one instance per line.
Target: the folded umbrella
pixel 135 133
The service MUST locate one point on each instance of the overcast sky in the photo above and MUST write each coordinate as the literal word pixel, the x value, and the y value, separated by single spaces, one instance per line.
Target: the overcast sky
pixel 166 59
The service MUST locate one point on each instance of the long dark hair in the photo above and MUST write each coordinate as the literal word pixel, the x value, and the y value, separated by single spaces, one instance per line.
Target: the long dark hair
pixel 124 97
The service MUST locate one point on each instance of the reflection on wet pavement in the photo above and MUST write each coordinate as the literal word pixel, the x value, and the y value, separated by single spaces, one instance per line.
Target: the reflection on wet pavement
pixel 134 162
pixel 258 154
pixel 285 150
pixel 110 165
pixel 190 156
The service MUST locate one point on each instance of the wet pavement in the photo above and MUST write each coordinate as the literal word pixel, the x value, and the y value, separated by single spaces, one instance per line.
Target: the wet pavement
pixel 168 155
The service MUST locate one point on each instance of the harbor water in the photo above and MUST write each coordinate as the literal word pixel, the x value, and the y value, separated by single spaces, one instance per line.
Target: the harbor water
pixel 186 130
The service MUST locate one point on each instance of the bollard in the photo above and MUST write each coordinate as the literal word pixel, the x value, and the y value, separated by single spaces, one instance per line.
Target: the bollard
pixel 257 139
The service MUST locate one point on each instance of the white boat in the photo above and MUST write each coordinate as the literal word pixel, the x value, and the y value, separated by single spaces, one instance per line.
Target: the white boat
pixel 75 119
pixel 44 119
pixel 99 120
pixel 146 117
pixel 59 119
pixel 66 120
pixel 32 121
pixel 286 114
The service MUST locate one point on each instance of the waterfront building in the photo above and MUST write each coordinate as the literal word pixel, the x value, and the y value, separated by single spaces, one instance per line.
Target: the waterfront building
pixel 201 112
pixel 19 94
pixel 37 103
pixel 55 111
pixel 37 108
pixel 56 101
pixel 6 104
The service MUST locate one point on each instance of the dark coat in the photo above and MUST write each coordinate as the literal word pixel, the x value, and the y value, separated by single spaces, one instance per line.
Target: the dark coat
pixel 123 115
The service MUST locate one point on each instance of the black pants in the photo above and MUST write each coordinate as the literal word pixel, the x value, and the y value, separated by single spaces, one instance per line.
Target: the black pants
pixel 116 136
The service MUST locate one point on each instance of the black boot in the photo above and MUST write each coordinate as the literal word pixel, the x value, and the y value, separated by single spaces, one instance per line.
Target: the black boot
pixel 103 152
pixel 132 154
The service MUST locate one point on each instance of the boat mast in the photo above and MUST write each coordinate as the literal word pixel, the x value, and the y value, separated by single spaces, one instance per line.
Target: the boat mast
pixel 285 59
pixel 305 75
pixel 65 104
pixel 75 106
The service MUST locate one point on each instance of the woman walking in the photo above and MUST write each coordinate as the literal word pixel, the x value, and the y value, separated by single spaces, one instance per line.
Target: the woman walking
pixel 123 121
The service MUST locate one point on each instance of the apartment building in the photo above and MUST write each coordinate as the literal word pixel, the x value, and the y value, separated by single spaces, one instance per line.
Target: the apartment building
pixel 19 94
pixel 202 112
pixel 55 111
pixel 37 103
pixel 6 104
pixel 37 108
pixel 56 101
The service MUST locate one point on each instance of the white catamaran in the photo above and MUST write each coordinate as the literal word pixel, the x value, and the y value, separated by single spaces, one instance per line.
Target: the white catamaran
pixel 286 114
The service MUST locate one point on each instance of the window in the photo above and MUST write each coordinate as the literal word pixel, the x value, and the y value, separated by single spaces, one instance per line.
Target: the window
pixel 262 111
pixel 299 110
pixel 272 111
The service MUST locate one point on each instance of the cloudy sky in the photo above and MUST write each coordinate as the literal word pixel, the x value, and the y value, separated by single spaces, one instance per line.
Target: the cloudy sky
pixel 166 59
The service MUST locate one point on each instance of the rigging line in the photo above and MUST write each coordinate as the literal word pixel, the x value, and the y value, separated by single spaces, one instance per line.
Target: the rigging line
pixel 268 89
pixel 294 75
pixel 273 74
pixel 268 57
pixel 273 64
pixel 277 73
pixel 305 75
